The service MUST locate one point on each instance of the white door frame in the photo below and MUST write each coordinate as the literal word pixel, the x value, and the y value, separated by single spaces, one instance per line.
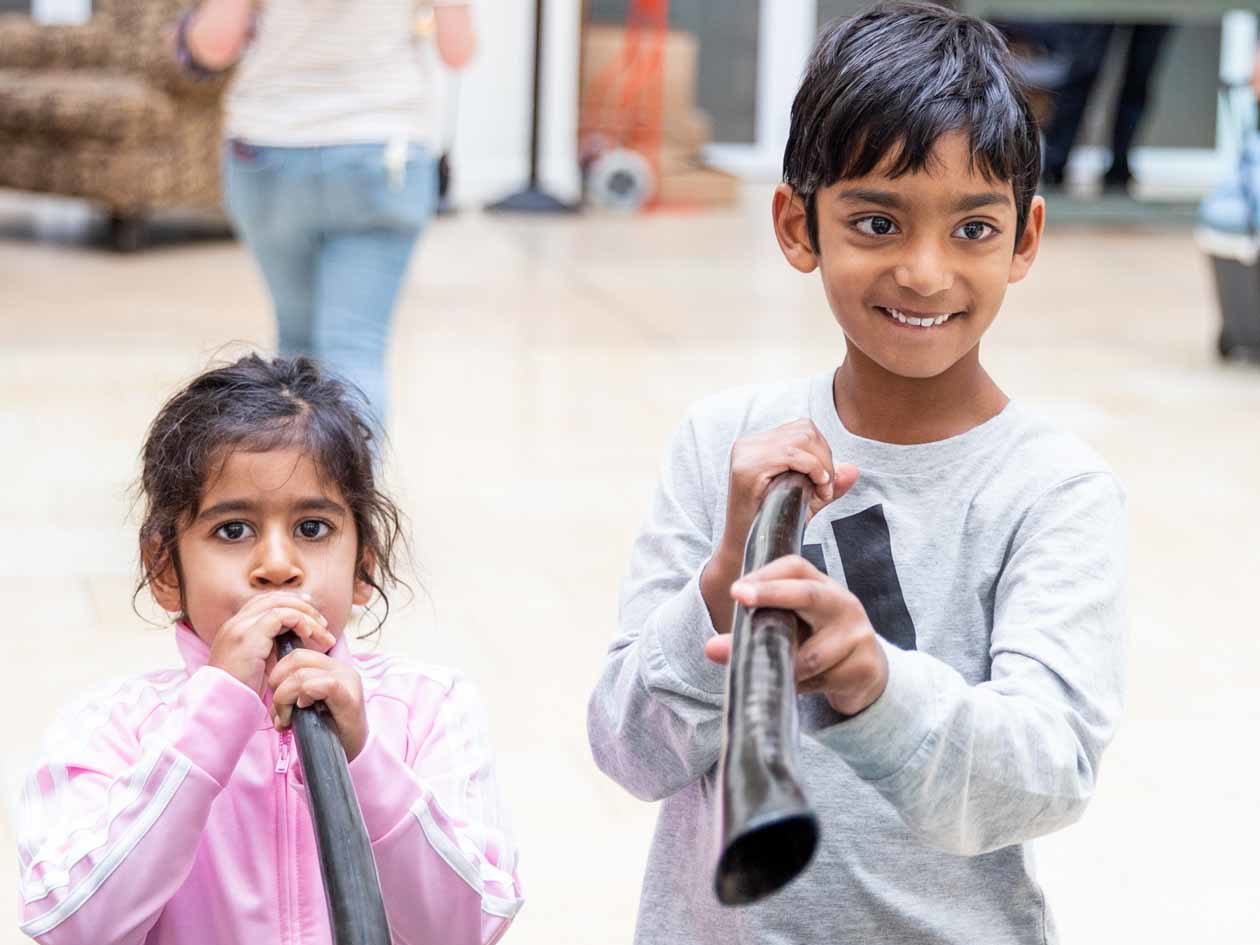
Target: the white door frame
pixel 786 33
pixel 785 36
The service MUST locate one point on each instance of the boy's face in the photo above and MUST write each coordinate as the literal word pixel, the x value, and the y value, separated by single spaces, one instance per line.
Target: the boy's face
pixel 267 522
pixel 937 246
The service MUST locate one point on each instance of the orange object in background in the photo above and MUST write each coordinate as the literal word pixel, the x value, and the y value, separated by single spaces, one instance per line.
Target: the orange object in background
pixel 619 124
pixel 639 131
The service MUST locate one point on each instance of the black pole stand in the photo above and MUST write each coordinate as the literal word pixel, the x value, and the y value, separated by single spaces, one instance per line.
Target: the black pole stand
pixel 533 199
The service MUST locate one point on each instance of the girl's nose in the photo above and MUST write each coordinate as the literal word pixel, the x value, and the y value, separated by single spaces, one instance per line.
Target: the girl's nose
pixel 276 564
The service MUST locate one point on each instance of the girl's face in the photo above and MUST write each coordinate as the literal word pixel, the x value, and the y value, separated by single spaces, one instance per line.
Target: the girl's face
pixel 266 522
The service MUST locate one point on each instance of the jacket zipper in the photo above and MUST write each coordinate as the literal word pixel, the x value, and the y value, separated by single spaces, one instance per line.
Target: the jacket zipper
pixel 285 859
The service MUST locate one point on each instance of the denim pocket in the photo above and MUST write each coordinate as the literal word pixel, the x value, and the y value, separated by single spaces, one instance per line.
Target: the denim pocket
pixel 364 192
pixel 251 158
pixel 250 181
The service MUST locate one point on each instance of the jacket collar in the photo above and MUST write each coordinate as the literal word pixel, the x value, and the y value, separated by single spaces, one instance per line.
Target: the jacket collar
pixel 196 652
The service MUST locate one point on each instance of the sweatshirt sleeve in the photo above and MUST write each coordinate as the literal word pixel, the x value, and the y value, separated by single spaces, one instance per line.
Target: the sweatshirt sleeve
pixel 439 832
pixel 654 720
pixel 972 769
pixel 109 823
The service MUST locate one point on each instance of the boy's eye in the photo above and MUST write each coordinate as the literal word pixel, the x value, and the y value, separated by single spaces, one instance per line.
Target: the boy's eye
pixel 975 230
pixel 876 226
pixel 233 531
pixel 314 528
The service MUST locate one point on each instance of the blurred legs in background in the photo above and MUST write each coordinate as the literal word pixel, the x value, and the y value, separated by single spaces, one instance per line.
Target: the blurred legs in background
pixel 1085 45
pixel 332 230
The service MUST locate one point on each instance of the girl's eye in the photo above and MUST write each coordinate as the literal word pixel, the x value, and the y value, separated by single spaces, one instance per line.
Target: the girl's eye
pixel 876 226
pixel 974 231
pixel 233 531
pixel 314 528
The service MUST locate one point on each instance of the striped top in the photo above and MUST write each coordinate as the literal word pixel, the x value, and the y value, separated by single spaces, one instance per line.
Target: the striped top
pixel 329 72
pixel 166 810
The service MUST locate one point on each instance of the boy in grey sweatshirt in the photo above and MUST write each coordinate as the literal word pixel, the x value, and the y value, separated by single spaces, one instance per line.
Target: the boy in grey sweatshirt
pixel 964 567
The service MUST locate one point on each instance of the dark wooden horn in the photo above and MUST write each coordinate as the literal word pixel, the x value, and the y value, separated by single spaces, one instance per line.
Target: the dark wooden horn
pixel 356 911
pixel 769 831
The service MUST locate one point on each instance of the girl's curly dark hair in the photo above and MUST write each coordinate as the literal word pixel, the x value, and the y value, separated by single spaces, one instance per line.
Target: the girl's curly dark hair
pixel 258 405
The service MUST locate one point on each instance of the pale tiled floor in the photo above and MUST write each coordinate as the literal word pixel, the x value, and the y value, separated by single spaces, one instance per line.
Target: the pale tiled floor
pixel 538 370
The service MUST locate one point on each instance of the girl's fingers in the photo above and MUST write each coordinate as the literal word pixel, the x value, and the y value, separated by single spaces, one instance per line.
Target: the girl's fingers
pixel 295 600
pixel 298 659
pixel 276 621
pixel 300 688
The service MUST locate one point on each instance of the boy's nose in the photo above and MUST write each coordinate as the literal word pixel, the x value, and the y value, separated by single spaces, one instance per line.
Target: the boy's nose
pixel 275 565
pixel 925 271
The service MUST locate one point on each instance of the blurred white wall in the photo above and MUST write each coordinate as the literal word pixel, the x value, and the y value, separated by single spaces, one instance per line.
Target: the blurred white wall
pixel 61 11
pixel 491 102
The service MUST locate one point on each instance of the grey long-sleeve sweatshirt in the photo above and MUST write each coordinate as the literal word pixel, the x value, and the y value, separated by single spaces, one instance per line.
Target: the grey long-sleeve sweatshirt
pixel 992 564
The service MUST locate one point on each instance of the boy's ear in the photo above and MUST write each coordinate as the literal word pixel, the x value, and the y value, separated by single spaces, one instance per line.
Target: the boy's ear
pixel 791 229
pixel 164 581
pixel 1030 240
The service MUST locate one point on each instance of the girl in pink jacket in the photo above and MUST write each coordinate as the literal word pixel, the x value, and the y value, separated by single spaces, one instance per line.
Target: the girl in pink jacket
pixel 170 808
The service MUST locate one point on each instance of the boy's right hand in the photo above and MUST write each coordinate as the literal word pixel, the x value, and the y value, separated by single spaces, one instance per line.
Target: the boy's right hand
pixel 755 461
pixel 245 645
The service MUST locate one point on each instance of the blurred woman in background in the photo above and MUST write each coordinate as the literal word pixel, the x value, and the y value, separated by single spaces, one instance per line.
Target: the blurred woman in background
pixel 330 159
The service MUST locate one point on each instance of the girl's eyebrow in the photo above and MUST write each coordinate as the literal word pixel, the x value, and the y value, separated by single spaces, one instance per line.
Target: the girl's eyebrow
pixel 232 506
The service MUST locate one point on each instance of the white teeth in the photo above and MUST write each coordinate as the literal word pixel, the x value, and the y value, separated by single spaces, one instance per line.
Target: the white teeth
pixel 928 322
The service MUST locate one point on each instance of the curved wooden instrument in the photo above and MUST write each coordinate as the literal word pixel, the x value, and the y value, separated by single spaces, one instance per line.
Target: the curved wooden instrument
pixel 356 911
pixel 769 831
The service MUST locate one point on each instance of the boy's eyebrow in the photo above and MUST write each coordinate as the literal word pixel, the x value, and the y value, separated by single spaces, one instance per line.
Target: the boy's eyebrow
pixel 894 201
pixel 229 506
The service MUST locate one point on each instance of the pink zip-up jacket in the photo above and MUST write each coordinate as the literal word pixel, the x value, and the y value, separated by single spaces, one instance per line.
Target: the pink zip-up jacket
pixel 167 810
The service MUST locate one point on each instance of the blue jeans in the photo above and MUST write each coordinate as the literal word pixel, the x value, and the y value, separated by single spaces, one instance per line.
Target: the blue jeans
pixel 332 229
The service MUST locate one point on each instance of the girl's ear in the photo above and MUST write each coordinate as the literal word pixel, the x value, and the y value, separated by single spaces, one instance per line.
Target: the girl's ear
pixel 164 580
pixel 362 589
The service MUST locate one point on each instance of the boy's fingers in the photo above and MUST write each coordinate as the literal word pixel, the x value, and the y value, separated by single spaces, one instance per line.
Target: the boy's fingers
pixel 844 478
pixel 812 465
pixel 718 649
pixel 789 566
pixel 802 595
pixel 823 652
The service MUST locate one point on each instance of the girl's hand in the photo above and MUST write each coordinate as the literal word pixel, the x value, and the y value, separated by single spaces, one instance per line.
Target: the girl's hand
pixel 305 677
pixel 842 658
pixel 246 642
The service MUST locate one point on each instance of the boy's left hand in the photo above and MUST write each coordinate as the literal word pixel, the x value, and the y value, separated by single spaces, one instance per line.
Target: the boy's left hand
pixel 308 676
pixel 842 658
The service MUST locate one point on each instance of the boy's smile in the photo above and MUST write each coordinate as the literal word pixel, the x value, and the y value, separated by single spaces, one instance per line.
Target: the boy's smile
pixel 914 267
pixel 267 522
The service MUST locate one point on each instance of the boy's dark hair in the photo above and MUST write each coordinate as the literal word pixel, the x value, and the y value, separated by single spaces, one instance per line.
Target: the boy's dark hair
pixel 256 405
pixel 893 80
